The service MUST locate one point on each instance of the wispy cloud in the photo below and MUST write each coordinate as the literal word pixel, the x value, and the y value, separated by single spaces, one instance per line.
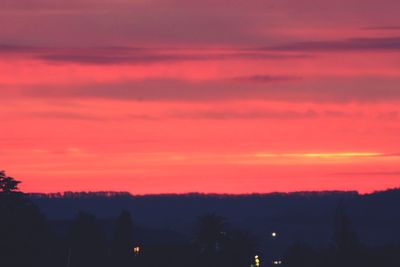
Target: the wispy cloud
pixel 338 90
pixel 138 55
pixel 355 44
pixel 323 155
pixel 266 78
pixel 64 115
pixel 388 173
pixel 382 28
pixel 249 115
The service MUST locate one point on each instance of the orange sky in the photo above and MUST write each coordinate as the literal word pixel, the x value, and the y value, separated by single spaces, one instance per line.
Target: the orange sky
pixel 162 96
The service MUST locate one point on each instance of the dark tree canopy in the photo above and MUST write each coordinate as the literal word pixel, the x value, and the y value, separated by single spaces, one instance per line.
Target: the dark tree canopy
pixel 123 243
pixel 25 237
pixel 211 231
pixel 86 242
pixel 8 184
pixel 345 236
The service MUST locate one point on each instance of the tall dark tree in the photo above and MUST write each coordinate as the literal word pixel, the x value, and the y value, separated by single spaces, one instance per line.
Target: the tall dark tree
pixel 211 236
pixel 86 246
pixel 124 242
pixel 345 236
pixel 24 235
pixel 346 243
pixel 211 233
pixel 8 184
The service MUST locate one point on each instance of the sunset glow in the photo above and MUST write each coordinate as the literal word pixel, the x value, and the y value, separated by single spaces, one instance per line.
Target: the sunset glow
pixel 173 96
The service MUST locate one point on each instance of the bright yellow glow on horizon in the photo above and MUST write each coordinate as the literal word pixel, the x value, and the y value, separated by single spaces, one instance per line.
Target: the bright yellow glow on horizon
pixel 343 155
pixel 320 155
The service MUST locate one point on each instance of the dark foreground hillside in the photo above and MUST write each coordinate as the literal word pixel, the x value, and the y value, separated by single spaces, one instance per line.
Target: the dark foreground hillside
pixel 326 229
pixel 306 218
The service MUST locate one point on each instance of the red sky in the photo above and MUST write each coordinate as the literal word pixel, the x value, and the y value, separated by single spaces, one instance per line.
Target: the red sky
pixel 161 96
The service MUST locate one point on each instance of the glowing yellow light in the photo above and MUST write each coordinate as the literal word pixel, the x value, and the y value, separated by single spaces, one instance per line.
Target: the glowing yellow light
pixel 342 155
pixel 318 155
pixel 136 250
pixel 256 260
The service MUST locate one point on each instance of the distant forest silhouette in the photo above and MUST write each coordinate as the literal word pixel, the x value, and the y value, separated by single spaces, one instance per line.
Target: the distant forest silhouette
pixel 118 229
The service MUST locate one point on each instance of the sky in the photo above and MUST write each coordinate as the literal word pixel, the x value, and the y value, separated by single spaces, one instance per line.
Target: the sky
pixel 175 96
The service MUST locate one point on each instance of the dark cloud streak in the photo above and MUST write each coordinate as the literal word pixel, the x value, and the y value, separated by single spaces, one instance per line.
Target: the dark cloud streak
pixel 62 115
pixel 266 78
pixel 355 44
pixel 382 28
pixel 271 88
pixel 257 114
pixel 140 55
pixel 135 55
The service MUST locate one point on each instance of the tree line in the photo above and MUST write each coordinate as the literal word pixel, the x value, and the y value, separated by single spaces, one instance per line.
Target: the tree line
pixel 28 239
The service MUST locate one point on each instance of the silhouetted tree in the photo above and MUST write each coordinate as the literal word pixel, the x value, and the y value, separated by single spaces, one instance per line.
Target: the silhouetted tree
pixel 124 242
pixel 220 245
pixel 345 236
pixel 211 232
pixel 24 235
pixel 211 235
pixel 86 246
pixel 346 243
pixel 8 184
